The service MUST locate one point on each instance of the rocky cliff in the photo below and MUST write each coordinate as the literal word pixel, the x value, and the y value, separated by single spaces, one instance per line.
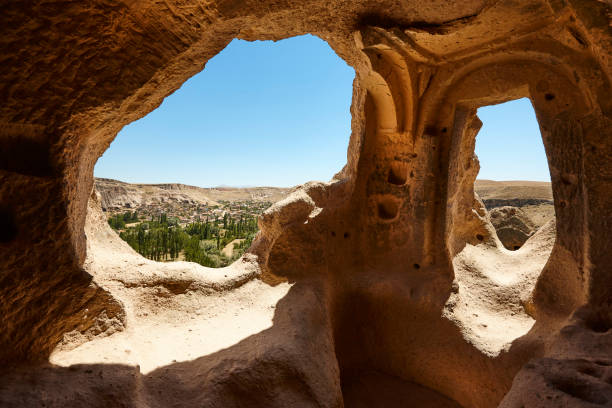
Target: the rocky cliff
pixel 116 195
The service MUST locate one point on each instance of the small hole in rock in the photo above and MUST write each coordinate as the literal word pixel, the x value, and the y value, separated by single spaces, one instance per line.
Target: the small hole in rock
pixel 416 266
pixel 599 321
pixel 388 209
pixel 333 233
pixel 549 97
pixel 578 37
pixel 397 175
pixel 346 235
pixel 517 247
pixel 565 180
pixel 8 229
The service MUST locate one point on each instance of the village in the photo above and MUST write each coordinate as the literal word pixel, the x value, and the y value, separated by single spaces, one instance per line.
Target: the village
pixel 185 213
pixel 177 230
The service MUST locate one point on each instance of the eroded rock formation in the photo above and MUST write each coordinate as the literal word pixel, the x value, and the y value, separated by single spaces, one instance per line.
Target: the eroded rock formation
pixel 512 225
pixel 377 273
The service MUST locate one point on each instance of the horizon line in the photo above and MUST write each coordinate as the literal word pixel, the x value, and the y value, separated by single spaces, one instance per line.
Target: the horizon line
pixel 288 187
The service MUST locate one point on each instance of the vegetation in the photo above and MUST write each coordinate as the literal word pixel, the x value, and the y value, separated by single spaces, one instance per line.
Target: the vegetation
pixel 118 221
pixel 164 239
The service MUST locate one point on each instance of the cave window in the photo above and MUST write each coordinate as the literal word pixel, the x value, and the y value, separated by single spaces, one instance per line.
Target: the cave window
pixel 514 179
pixel 261 114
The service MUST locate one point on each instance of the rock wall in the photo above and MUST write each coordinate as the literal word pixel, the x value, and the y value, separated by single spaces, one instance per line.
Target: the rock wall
pixel 372 254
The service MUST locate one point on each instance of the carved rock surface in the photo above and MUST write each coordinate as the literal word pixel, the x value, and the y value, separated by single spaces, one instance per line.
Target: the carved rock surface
pixel 369 261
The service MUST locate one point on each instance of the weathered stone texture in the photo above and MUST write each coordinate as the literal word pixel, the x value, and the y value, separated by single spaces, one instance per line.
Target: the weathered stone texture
pixel 372 252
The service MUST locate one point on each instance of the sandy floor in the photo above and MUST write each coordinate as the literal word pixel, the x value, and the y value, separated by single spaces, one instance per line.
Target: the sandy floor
pixel 175 311
pixel 155 336
pixel 493 286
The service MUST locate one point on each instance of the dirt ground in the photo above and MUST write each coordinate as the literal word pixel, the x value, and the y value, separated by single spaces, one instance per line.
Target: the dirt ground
pixel 228 250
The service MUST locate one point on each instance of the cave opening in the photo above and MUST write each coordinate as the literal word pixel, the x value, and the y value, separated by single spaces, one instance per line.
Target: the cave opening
pixel 514 179
pixel 511 218
pixel 188 181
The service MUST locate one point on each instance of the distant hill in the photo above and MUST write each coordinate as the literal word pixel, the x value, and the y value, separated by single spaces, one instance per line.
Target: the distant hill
pixel 515 193
pixel 119 195
pixel 533 198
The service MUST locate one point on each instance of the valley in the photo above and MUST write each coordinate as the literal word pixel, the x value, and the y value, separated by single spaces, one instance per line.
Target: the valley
pixel 215 226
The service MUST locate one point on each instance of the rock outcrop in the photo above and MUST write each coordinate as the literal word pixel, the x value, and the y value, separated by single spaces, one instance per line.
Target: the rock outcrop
pixel 512 225
pixel 390 273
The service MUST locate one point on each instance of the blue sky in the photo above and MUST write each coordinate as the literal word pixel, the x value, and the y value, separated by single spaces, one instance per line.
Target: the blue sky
pixel 509 145
pixel 260 113
pixel 278 114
